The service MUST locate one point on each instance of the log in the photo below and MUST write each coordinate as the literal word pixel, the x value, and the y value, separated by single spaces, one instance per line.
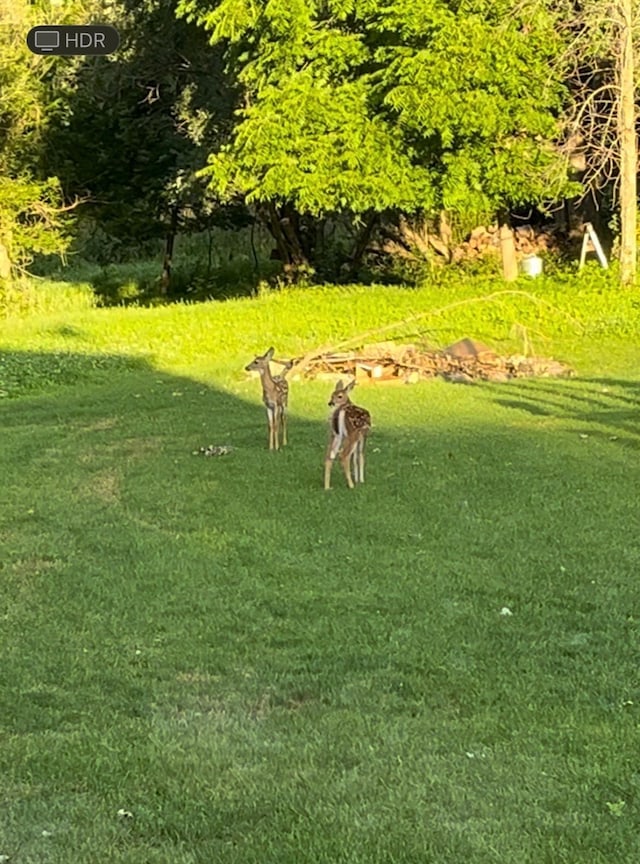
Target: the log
pixel 478 232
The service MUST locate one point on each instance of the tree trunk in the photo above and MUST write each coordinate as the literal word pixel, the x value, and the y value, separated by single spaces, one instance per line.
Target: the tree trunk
pixel 165 282
pixel 362 241
pixel 446 235
pixel 209 251
pixel 508 247
pixel 256 260
pixel 283 225
pixel 5 262
pixel 628 147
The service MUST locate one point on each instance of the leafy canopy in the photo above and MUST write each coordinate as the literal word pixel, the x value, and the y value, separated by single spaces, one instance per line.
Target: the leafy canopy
pixel 384 103
pixel 31 217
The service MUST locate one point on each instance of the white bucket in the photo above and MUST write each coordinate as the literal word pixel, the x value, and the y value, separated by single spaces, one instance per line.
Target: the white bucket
pixel 531 265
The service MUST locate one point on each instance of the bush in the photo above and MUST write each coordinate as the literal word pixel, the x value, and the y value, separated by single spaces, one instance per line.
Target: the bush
pixel 23 297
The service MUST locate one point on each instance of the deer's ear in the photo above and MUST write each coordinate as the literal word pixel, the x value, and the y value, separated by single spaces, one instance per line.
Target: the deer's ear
pixel 351 385
pixel 339 386
pixel 269 353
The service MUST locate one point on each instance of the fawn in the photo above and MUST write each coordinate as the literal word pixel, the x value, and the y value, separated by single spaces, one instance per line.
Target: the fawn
pixel 275 395
pixel 350 426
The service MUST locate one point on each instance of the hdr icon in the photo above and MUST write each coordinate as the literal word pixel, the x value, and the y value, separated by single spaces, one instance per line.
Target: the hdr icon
pixel 84 40
pixel 92 39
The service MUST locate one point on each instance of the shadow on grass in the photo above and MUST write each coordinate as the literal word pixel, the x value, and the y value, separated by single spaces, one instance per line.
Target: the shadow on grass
pixel 170 616
pixel 602 406
pixel 24 372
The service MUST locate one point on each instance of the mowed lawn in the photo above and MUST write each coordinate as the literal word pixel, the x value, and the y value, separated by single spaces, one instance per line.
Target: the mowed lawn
pixel 213 660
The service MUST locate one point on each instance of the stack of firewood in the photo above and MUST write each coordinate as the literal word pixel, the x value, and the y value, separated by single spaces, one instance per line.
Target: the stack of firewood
pixel 486 241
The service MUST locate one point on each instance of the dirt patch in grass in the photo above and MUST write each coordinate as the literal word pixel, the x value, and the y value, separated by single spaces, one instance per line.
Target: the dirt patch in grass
pixel 106 486
pixel 194 678
pixel 99 425
pixel 32 565
pixel 127 448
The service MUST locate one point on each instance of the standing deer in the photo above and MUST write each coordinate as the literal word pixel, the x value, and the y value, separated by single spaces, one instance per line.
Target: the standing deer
pixel 275 395
pixel 350 426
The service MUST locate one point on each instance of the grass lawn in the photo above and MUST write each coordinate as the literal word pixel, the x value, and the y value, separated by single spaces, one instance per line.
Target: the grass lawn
pixel 261 672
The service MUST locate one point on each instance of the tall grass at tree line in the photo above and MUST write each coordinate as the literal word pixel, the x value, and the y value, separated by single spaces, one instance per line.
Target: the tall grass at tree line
pixel 210 265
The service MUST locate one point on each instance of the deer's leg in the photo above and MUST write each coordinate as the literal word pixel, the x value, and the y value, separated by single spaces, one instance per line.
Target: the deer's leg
pixel 270 421
pixel 358 460
pixel 360 451
pixel 277 425
pixel 284 426
pixel 346 458
pixel 332 451
pixel 328 465
pixel 346 467
pixel 355 467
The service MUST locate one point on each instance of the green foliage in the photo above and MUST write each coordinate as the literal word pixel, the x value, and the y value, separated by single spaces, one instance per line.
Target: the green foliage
pixel 137 284
pixel 315 146
pixel 25 298
pixel 131 129
pixel 31 219
pixel 217 264
pixel 369 106
pixel 22 103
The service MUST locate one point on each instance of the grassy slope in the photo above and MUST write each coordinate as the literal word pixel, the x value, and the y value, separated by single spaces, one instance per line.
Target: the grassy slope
pixel 261 672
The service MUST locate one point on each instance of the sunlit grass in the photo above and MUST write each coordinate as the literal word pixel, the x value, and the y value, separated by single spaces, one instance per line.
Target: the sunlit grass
pixel 583 322
pixel 259 671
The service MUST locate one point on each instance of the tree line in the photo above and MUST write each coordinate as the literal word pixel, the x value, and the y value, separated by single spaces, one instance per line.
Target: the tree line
pixel 306 114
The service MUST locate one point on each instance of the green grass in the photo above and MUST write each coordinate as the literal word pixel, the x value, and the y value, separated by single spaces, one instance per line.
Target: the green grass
pixel 263 672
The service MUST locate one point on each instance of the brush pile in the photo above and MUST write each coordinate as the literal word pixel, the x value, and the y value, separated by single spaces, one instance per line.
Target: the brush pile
pixel 464 362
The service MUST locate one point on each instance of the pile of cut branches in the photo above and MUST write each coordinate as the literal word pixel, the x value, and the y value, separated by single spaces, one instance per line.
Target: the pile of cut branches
pixel 463 362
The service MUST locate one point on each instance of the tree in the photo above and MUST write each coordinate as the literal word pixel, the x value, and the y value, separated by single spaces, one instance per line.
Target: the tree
pixel 628 143
pixel 600 63
pixel 32 218
pixel 387 104
pixel 132 129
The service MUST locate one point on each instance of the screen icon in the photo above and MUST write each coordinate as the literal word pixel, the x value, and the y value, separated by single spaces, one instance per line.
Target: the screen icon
pixel 47 40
